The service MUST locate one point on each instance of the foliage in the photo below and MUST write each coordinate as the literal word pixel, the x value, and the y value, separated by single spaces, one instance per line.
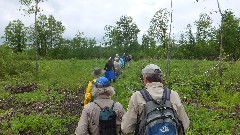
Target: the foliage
pixel 53 107
pixel 82 47
pixel 49 33
pixel 15 35
pixel 231 33
pixel 14 63
pixel 148 47
pixel 205 97
pixel 159 27
pixel 32 7
pixel 40 124
pixel 123 36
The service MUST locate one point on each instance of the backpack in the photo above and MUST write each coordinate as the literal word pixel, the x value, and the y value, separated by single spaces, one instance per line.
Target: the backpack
pixel 158 117
pixel 107 120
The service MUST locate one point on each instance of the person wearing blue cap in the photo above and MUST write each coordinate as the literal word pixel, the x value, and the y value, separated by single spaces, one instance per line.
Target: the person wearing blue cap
pixel 95 74
pixel 89 120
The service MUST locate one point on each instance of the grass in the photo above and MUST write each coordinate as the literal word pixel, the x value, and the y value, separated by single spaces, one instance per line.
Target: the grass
pixel 52 104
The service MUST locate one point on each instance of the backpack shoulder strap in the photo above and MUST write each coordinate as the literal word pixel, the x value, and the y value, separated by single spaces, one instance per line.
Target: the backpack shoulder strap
pixel 98 105
pixel 147 97
pixel 101 107
pixel 166 94
pixel 113 104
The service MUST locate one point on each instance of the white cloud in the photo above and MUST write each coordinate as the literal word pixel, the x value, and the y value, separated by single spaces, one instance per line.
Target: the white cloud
pixel 91 16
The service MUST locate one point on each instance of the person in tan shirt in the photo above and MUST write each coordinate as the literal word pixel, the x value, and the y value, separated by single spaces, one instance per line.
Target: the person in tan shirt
pixel 152 79
pixel 89 119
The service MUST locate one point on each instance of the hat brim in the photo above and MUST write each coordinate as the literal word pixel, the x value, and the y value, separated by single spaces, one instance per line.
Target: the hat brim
pixel 94 75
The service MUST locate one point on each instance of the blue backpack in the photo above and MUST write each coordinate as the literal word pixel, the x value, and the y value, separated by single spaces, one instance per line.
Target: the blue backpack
pixel 158 117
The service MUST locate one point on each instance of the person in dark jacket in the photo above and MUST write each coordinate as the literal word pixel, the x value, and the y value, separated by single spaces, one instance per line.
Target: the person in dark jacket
pixel 129 59
pixel 110 70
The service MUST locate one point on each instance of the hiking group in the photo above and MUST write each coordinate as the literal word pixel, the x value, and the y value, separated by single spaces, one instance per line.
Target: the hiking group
pixel 154 110
pixel 112 70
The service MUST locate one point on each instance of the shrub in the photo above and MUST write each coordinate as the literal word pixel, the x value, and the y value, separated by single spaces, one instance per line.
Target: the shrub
pixel 14 63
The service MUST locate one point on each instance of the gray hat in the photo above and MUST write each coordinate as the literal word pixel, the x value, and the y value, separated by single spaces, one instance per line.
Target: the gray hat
pixel 152 69
pixel 97 72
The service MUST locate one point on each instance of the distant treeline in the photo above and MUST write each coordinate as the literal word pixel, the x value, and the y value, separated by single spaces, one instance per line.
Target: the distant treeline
pixel 123 38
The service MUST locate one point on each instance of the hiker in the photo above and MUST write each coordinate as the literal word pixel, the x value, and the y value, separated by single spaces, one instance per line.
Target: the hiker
pixel 117 67
pixel 116 57
pixel 124 57
pixel 90 120
pixel 97 72
pixel 153 82
pixel 110 70
pixel 122 63
pixel 129 59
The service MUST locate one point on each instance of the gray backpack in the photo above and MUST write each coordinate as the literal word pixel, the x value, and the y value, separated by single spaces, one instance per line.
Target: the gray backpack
pixel 158 117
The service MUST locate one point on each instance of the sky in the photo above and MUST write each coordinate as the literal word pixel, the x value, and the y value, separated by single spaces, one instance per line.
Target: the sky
pixel 91 16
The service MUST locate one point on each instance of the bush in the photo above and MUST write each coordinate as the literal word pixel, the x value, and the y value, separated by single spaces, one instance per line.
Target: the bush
pixel 14 63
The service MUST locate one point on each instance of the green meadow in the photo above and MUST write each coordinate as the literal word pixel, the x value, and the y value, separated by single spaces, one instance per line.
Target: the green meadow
pixel 51 104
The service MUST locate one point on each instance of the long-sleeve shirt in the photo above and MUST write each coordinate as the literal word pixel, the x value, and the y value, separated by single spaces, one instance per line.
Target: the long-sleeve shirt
pixel 137 102
pixel 109 67
pixel 90 115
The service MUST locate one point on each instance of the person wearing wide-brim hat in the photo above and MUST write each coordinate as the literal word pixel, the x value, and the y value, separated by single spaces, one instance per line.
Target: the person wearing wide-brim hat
pixel 89 120
pixel 97 72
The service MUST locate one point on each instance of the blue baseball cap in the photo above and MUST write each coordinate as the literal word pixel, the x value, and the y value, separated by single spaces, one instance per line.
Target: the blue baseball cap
pixel 102 82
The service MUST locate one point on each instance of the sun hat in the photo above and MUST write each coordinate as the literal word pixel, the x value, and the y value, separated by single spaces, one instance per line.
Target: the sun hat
pixel 152 69
pixel 97 72
pixel 102 82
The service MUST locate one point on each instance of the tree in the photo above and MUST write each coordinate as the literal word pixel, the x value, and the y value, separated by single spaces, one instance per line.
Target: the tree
pixel 148 46
pixel 221 42
pixel 203 36
pixel 32 7
pixel 147 42
pixel 122 36
pixel 159 27
pixel 82 47
pixel 230 30
pixel 187 43
pixel 49 33
pixel 15 35
pixel 56 29
pixel 203 27
pixel 43 34
pixel 190 36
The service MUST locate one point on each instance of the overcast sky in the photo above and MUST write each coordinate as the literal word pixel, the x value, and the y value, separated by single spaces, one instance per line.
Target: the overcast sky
pixel 91 16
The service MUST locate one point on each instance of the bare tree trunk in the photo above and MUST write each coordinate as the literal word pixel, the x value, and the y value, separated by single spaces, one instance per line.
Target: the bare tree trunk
pixel 168 48
pixel 36 40
pixel 220 54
